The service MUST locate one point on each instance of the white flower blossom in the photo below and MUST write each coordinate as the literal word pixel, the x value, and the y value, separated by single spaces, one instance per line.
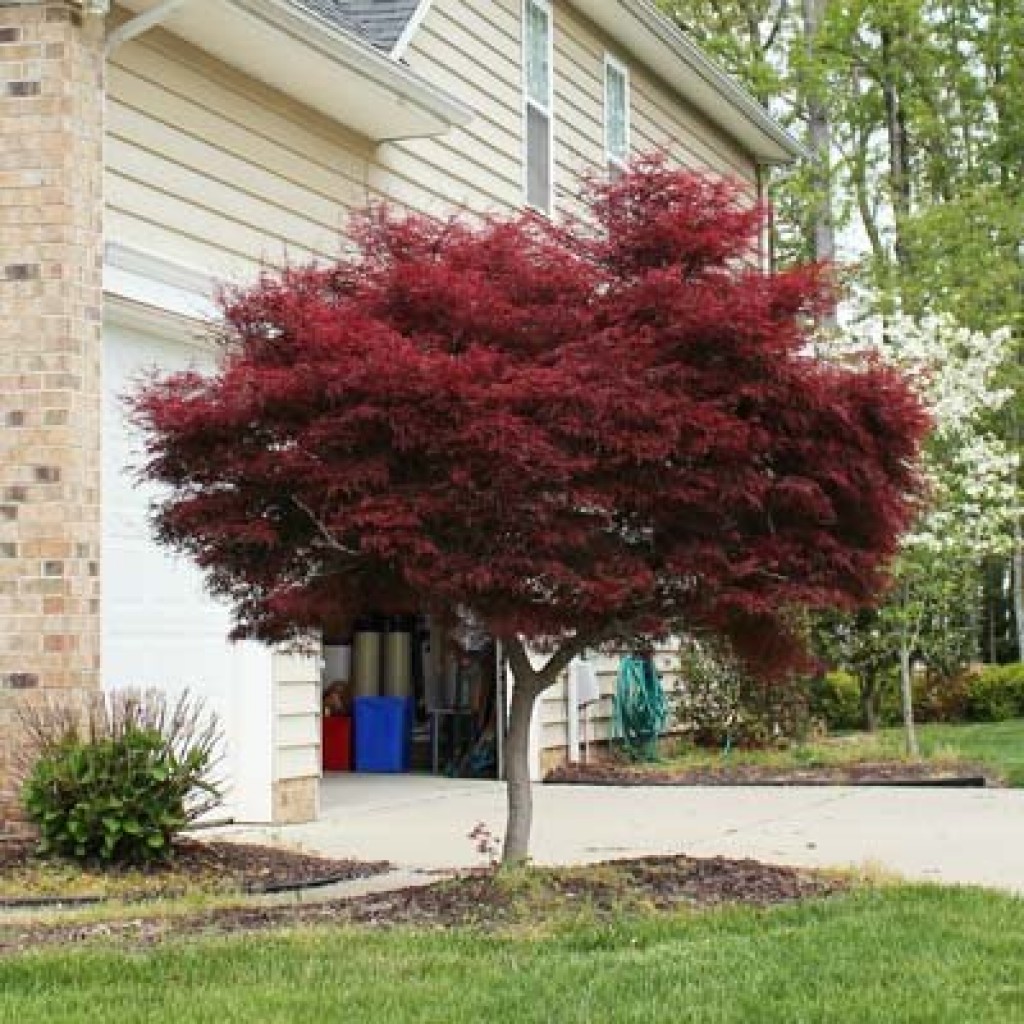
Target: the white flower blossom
pixel 971 473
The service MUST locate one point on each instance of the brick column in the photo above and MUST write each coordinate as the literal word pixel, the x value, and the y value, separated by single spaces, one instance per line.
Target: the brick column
pixel 51 172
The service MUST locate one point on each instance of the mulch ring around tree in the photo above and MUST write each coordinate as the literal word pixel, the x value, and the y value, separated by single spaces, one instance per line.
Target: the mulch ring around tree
pixel 484 900
pixel 860 773
pixel 211 868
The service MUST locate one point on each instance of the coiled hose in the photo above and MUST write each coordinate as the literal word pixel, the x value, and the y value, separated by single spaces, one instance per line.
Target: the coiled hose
pixel 641 710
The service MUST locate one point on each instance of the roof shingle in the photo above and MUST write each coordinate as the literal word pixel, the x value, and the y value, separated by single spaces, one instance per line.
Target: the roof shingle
pixel 380 22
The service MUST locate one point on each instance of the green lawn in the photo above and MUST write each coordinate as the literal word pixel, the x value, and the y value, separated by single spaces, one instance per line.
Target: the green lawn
pixel 999 745
pixel 889 955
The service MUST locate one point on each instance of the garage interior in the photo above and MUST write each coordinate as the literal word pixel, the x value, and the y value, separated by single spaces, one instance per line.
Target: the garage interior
pixel 409 694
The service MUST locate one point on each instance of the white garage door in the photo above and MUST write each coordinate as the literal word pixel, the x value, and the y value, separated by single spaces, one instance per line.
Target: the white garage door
pixel 159 627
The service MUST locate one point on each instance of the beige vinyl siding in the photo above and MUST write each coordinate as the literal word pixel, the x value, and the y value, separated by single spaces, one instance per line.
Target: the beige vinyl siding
pixel 579 107
pixel 661 122
pixel 472 50
pixel 553 717
pixel 214 171
pixel 296 710
pixel 659 119
pixel 217 172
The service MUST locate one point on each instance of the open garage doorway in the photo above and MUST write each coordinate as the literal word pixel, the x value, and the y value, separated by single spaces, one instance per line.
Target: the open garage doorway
pixel 409 694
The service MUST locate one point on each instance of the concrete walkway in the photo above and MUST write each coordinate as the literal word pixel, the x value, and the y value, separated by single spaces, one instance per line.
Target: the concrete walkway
pixel 422 823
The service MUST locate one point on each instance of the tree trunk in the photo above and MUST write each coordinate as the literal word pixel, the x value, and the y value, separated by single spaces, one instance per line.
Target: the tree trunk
pixel 869 703
pixel 907 697
pixel 517 772
pixel 1017 577
pixel 899 146
pixel 858 160
pixel 819 139
pixel 528 684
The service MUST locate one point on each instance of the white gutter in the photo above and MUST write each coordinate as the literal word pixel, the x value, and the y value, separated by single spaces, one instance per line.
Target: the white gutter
pixel 135 27
pixel 360 55
pixel 238 32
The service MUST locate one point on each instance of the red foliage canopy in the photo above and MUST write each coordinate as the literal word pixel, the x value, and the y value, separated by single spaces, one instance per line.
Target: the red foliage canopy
pixel 566 429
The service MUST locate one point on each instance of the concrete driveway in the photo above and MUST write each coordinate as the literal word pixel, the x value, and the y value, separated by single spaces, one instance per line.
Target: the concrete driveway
pixel 419 822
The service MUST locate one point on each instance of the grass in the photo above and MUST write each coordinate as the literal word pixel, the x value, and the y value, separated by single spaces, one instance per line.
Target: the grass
pixel 43 879
pixel 203 870
pixel 891 954
pixel 999 745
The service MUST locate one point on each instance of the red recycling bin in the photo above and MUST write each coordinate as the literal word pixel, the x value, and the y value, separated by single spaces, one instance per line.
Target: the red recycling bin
pixel 337 743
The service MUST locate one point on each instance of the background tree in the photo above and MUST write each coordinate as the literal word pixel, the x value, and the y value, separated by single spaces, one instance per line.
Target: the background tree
pixel 970 510
pixel 920 105
pixel 574 434
pixel 913 114
pixel 772 47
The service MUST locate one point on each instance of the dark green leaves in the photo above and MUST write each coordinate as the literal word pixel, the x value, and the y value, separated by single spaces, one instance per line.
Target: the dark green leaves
pixel 119 788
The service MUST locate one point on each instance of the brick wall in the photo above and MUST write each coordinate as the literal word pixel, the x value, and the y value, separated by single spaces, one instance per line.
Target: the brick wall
pixel 51 131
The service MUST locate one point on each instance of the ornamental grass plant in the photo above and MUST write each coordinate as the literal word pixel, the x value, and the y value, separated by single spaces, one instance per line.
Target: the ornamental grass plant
pixel 113 777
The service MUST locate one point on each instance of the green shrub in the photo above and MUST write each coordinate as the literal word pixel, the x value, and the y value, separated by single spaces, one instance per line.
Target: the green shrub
pixel 890 701
pixel 996 693
pixel 942 698
pixel 835 700
pixel 115 779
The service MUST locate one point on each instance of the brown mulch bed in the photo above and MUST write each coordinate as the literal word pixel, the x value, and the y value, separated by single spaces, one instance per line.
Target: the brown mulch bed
pixel 482 900
pixel 663 883
pixel 861 773
pixel 211 867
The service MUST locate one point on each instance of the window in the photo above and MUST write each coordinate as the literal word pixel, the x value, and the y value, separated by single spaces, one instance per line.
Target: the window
pixel 616 115
pixel 537 92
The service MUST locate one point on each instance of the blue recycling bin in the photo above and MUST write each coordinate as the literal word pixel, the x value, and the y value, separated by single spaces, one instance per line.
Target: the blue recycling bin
pixel 383 733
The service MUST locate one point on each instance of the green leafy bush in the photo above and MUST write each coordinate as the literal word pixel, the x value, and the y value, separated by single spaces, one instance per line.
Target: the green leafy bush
pixel 996 693
pixel 115 778
pixel 835 700
pixel 719 704
pixel 942 698
pixel 890 702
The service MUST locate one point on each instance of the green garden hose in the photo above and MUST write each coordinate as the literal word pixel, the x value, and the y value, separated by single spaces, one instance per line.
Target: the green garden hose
pixel 641 710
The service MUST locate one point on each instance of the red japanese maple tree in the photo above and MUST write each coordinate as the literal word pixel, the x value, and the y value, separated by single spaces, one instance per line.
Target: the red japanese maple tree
pixel 576 433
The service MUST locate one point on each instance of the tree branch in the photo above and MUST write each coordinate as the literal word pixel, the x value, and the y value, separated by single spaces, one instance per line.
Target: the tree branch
pixel 332 542
pixel 773 34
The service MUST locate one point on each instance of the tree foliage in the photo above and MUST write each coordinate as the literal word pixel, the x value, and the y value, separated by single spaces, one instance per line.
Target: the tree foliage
pixel 923 103
pixel 971 506
pixel 922 106
pixel 574 432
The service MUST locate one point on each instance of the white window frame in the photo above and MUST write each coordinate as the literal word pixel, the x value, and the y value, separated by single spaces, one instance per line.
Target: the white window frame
pixel 548 112
pixel 612 161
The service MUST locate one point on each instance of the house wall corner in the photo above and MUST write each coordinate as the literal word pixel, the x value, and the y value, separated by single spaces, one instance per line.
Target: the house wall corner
pixel 51 173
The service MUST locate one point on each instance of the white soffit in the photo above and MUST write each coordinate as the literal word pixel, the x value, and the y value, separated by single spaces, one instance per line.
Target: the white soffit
pixel 647 34
pixel 317 63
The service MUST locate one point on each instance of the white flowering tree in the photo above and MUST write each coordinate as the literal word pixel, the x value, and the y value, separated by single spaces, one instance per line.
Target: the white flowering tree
pixel 972 506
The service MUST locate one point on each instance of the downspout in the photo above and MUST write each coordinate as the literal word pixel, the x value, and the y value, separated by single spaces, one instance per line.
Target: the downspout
pixel 572 715
pixel 141 23
pixel 766 242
